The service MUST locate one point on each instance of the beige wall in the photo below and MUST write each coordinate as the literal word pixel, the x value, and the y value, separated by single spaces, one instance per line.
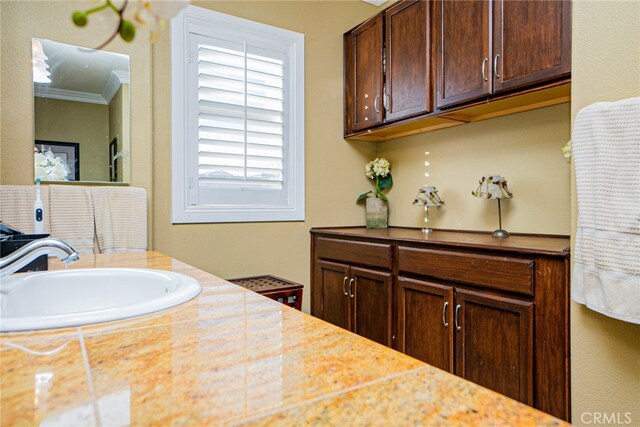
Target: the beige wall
pixel 80 122
pixel 525 148
pixel 605 353
pixel 22 20
pixel 333 168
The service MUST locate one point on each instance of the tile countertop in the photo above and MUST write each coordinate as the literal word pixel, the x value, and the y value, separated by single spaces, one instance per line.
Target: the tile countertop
pixel 228 357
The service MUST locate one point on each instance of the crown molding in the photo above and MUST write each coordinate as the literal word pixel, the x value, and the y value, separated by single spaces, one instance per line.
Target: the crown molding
pixel 375 2
pixel 116 79
pixel 68 95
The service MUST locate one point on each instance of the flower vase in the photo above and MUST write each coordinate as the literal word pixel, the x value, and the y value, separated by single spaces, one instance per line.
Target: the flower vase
pixel 377 214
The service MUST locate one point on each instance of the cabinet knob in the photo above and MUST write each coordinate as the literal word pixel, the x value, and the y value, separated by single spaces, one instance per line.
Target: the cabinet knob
pixel 455 318
pixel 444 314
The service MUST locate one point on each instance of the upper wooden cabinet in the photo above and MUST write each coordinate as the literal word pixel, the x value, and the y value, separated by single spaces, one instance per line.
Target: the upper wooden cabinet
pixel 487 47
pixel 363 75
pixel 408 83
pixel 526 52
pixel 463 51
pixel 387 66
pixel 424 65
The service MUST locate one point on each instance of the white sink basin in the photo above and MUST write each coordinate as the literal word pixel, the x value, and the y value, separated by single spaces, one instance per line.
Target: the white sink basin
pixel 64 298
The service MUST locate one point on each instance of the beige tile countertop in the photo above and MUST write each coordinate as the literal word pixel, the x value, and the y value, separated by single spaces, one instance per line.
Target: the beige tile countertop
pixel 229 357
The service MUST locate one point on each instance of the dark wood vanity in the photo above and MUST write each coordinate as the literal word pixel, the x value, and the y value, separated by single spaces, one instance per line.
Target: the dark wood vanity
pixel 493 311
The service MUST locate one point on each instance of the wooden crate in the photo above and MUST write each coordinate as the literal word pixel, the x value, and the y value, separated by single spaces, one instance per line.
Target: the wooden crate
pixel 281 290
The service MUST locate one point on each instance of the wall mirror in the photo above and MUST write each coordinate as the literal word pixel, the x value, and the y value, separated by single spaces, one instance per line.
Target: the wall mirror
pixel 81 114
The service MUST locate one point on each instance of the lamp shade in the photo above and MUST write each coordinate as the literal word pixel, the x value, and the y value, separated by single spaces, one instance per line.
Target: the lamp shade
pixel 428 196
pixel 492 187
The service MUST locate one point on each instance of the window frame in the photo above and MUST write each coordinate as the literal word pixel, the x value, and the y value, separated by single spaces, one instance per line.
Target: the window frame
pixel 184 187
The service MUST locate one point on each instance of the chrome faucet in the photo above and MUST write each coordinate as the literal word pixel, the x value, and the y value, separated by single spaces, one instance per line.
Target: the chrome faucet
pixel 48 246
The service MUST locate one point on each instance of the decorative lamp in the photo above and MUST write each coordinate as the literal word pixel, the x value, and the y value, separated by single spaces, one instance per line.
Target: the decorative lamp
pixel 494 187
pixel 427 196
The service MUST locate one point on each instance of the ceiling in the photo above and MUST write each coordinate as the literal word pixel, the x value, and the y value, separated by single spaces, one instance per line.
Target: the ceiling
pixel 83 70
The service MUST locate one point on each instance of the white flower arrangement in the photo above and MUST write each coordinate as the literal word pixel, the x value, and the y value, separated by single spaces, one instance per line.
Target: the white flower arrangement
pixel 378 170
pixel 50 167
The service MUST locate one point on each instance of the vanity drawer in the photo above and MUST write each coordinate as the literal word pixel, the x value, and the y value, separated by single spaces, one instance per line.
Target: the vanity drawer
pixel 355 252
pixel 504 273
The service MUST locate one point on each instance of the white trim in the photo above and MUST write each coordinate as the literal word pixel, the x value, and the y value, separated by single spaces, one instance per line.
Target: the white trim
pixel 185 188
pixel 68 95
pixel 116 79
pixel 375 2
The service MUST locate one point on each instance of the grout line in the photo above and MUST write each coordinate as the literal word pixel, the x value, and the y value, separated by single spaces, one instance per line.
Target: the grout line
pixel 240 421
pixel 87 368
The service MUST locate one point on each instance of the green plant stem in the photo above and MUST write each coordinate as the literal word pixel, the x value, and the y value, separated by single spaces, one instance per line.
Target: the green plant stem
pixel 117 31
pixel 99 8
pixel 115 9
pixel 377 186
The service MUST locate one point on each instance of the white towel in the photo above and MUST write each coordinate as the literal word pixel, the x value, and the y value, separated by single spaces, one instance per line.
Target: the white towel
pixel 606 156
pixel 71 210
pixel 16 206
pixel 120 218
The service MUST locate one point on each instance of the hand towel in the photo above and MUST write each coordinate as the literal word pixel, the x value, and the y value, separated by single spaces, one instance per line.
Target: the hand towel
pixel 120 219
pixel 71 209
pixel 606 155
pixel 16 206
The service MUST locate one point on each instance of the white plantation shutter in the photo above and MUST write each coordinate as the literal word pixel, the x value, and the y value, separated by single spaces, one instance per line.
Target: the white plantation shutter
pixel 243 155
pixel 240 113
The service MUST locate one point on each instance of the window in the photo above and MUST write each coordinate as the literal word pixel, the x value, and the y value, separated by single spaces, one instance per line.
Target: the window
pixel 237 120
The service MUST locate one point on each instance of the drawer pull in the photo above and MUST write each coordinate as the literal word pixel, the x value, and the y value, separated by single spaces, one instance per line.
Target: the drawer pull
pixel 455 318
pixel 495 66
pixel 351 288
pixel 344 288
pixel 444 315
pixel 484 66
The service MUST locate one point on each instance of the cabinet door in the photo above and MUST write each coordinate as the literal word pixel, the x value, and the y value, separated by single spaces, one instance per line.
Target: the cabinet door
pixel 363 78
pixel 494 343
pixel 371 304
pixel 332 279
pixel 532 42
pixel 425 330
pixel 463 67
pixel 408 84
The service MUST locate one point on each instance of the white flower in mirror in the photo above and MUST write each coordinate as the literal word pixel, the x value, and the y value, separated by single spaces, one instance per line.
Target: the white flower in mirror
pixel 49 167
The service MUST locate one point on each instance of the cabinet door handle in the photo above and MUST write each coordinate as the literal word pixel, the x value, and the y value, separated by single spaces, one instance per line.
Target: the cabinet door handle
pixel 375 103
pixel 484 66
pixel 455 318
pixel 495 66
pixel 351 288
pixel 344 288
pixel 444 315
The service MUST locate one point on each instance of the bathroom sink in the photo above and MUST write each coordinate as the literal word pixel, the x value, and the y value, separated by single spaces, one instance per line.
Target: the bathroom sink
pixel 56 299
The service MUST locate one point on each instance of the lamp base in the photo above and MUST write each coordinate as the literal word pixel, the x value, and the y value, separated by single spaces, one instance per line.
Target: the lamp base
pixel 427 230
pixel 500 234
